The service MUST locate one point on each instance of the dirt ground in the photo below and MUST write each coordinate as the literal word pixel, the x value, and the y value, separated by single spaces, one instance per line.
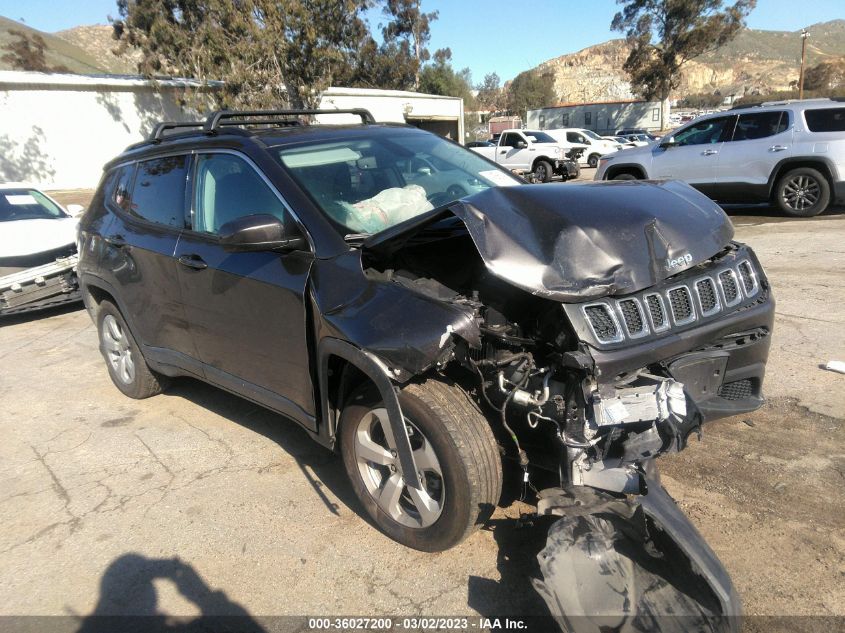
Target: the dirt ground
pixel 198 502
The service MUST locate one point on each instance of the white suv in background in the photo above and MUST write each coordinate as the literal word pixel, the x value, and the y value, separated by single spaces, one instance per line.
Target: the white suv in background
pixel 791 153
pixel 596 145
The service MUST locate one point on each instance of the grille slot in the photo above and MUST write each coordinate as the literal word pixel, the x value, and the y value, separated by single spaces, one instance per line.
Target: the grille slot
pixel 657 312
pixel 633 317
pixel 708 300
pixel 749 279
pixel 603 323
pixel 680 303
pixel 730 287
pixel 737 390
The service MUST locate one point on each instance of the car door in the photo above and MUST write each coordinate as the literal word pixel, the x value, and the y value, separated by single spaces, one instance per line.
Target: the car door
pixel 148 205
pixel 512 156
pixel 695 153
pixel 246 309
pixel 759 141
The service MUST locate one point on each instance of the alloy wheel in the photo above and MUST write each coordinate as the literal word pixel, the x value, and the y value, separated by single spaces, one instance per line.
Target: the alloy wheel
pixel 381 472
pixel 801 192
pixel 118 352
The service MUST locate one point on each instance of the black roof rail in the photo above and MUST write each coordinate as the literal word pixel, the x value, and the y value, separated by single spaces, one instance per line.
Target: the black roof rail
pixel 158 130
pixel 756 104
pixel 232 117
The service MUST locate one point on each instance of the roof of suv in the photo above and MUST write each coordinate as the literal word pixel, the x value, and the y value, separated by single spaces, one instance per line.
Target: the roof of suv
pixel 803 104
pixel 278 127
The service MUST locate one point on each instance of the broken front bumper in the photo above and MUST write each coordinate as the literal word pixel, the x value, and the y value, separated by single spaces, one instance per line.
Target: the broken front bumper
pixel 40 287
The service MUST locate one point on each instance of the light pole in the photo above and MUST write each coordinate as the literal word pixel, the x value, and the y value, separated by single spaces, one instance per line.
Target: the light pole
pixel 804 35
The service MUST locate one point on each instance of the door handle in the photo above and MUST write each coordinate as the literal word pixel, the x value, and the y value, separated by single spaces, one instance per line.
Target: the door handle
pixel 709 152
pixel 504 151
pixel 778 148
pixel 118 241
pixel 193 261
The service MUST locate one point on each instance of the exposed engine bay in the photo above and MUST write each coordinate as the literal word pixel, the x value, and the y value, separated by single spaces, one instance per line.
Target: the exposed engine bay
pixel 585 385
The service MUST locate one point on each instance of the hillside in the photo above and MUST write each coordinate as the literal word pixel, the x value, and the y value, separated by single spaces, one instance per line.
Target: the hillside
pixel 754 62
pixel 97 41
pixel 58 51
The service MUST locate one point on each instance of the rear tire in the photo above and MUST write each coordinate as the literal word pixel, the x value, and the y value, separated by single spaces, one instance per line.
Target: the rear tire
pixel 463 481
pixel 126 365
pixel 802 193
pixel 593 160
pixel 543 171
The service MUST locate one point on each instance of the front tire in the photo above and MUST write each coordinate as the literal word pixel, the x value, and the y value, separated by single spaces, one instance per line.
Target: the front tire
pixel 802 193
pixel 543 171
pixel 454 450
pixel 126 365
pixel 593 160
pixel 625 176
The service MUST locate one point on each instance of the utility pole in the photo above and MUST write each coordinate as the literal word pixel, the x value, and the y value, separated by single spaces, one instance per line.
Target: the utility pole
pixel 804 35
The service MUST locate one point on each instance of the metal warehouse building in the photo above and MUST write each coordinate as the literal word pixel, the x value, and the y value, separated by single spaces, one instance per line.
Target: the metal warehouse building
pixel 603 117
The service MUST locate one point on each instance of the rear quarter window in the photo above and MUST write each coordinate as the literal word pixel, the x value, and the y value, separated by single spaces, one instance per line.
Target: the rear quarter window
pixel 158 194
pixel 825 120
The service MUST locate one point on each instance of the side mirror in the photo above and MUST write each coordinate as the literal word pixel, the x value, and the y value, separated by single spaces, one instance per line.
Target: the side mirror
pixel 667 142
pixel 521 145
pixel 74 210
pixel 260 232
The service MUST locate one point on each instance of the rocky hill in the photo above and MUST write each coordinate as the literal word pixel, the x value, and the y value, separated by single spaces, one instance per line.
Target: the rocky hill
pixel 754 62
pixel 97 41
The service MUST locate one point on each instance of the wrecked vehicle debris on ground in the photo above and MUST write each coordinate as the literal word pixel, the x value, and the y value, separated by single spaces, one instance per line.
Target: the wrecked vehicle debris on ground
pixel 37 251
pixel 437 331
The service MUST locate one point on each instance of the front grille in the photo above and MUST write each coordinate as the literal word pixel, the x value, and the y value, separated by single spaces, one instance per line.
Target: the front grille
pixel 603 324
pixel 633 318
pixel 681 303
pixel 749 279
pixel 736 390
pixel 708 300
pixel 686 302
pixel 730 289
pixel 656 312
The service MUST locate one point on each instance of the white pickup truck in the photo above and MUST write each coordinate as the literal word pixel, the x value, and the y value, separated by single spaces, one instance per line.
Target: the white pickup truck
pixel 533 151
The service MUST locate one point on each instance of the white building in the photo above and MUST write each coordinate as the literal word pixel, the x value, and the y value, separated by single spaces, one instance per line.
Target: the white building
pixel 57 130
pixel 603 117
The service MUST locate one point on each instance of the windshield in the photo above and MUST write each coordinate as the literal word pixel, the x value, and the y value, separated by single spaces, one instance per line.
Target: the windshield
pixel 538 137
pixel 27 204
pixel 368 184
pixel 592 135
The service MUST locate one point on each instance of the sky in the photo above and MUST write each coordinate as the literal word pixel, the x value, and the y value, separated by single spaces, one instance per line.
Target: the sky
pixel 501 36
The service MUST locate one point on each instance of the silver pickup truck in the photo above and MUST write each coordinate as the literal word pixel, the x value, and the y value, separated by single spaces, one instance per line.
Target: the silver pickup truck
pixel 535 152
pixel 37 250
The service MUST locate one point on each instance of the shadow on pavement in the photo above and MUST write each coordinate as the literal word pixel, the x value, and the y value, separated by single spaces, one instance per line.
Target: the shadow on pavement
pixel 43 313
pixel 129 602
pixel 517 564
pixel 322 468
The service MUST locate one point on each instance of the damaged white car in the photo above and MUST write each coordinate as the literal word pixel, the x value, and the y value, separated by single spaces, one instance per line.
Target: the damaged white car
pixel 37 250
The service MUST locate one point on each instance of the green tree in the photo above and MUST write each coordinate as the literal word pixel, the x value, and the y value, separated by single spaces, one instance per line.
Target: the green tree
pixel 827 75
pixel 26 52
pixel 411 26
pixel 490 94
pixel 665 34
pixel 530 90
pixel 439 78
pixel 268 52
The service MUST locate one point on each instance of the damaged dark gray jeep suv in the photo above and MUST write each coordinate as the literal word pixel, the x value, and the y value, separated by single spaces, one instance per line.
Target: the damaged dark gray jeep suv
pixel 436 321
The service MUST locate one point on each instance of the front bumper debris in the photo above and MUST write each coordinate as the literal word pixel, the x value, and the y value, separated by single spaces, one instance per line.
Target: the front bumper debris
pixel 40 287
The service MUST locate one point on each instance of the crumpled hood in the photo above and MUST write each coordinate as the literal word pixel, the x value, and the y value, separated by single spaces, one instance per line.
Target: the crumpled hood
pixel 575 242
pixel 28 237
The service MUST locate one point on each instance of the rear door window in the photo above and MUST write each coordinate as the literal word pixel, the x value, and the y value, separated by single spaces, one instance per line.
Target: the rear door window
pixel 159 191
pixel 825 120
pixel 760 125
